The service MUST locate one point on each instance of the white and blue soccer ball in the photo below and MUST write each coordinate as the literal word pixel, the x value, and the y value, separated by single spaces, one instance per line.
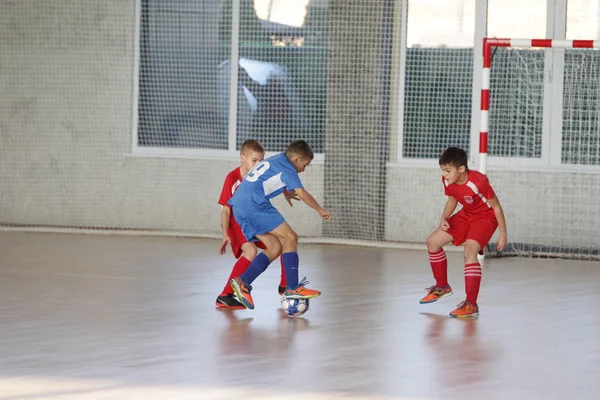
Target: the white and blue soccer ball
pixel 294 307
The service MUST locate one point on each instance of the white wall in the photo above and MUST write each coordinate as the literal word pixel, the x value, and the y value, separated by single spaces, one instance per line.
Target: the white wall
pixel 546 208
pixel 66 84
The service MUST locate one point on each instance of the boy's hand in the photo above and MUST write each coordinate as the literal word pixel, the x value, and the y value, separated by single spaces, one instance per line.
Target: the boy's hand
pixel 444 225
pixel 224 242
pixel 325 214
pixel 289 196
pixel 502 240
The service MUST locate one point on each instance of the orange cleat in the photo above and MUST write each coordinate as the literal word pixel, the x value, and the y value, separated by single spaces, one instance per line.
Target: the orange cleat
pixel 242 292
pixel 436 293
pixel 301 292
pixel 229 302
pixel 465 310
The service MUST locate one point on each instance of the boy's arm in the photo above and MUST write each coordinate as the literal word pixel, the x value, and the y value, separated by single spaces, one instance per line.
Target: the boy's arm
pixel 312 203
pixel 225 211
pixel 499 212
pixel 225 215
pixel 451 204
pixel 289 196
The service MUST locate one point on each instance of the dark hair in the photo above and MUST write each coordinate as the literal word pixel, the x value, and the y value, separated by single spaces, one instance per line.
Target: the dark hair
pixel 253 145
pixel 454 156
pixel 299 148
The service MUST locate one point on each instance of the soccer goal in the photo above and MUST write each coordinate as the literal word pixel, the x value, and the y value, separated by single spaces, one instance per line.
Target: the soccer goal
pixel 539 141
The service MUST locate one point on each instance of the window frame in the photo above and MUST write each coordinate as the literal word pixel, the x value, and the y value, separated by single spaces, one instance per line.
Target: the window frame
pixel 402 36
pixel 231 153
pixel 552 119
pixel 179 152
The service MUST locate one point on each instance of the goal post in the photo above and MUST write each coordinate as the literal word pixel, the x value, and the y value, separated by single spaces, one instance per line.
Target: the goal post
pixel 542 123
pixel 488 45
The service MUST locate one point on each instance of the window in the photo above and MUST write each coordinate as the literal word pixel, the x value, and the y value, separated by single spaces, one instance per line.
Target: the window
pixel 282 72
pixel 516 103
pixel 517 79
pixel 581 87
pixel 185 73
pixel 289 13
pixel 583 19
pixel 517 19
pixel 581 107
pixel 183 87
pixel 438 76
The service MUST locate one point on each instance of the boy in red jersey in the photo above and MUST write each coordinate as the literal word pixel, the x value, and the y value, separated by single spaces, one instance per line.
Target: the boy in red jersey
pixel 250 154
pixel 473 225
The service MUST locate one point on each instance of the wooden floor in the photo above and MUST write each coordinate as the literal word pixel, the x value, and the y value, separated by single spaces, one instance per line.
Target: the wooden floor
pixel 107 317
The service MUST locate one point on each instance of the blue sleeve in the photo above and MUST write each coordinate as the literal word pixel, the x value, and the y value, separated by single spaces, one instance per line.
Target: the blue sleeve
pixel 291 180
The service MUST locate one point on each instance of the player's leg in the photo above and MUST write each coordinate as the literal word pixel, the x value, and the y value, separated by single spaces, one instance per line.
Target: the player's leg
pixel 472 270
pixel 437 256
pixel 289 253
pixel 478 236
pixel 242 285
pixel 245 253
pixel 456 234
pixel 469 307
pixel 439 266
pixel 289 241
pixel 255 225
pixel 264 258
pixel 282 282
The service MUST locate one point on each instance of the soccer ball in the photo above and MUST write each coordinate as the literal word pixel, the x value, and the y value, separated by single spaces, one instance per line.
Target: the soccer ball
pixel 294 307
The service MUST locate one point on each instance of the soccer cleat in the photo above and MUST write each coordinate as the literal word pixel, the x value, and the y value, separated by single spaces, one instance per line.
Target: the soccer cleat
pixel 229 302
pixel 465 310
pixel 301 292
pixel 280 290
pixel 436 293
pixel 243 292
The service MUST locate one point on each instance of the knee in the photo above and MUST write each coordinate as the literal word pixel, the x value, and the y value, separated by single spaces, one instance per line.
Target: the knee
pixel 250 252
pixel 470 253
pixel 431 244
pixel 469 257
pixel 277 247
pixel 291 237
pixel 273 249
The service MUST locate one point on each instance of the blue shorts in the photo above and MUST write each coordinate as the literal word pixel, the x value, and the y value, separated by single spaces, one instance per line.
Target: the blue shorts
pixel 257 221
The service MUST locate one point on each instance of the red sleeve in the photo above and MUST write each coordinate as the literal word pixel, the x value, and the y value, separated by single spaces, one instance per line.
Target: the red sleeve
pixel 226 191
pixel 485 188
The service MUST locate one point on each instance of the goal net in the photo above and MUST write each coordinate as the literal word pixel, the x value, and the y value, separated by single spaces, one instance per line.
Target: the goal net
pixel 540 142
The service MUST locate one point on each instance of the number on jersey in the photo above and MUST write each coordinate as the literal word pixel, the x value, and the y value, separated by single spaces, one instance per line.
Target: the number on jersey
pixel 257 171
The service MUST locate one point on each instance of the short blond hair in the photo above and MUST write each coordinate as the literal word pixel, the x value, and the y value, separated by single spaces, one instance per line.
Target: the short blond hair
pixel 251 145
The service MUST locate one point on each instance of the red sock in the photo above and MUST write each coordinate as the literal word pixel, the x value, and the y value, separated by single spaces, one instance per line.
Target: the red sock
pixel 283 281
pixel 238 268
pixel 472 281
pixel 439 266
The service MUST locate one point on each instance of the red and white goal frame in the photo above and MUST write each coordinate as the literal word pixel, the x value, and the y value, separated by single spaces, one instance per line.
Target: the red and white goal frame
pixel 488 45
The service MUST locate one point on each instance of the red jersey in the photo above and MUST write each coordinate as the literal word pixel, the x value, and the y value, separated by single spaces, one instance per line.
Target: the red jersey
pixel 232 181
pixel 473 195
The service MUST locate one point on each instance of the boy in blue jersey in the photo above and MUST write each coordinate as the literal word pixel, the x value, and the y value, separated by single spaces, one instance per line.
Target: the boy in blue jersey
pixel 259 220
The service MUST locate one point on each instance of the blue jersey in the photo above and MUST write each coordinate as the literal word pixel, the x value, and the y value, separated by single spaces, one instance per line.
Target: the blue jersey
pixel 266 180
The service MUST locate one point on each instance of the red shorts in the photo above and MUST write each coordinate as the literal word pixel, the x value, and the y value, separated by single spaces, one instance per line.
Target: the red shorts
pixel 238 239
pixel 463 228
